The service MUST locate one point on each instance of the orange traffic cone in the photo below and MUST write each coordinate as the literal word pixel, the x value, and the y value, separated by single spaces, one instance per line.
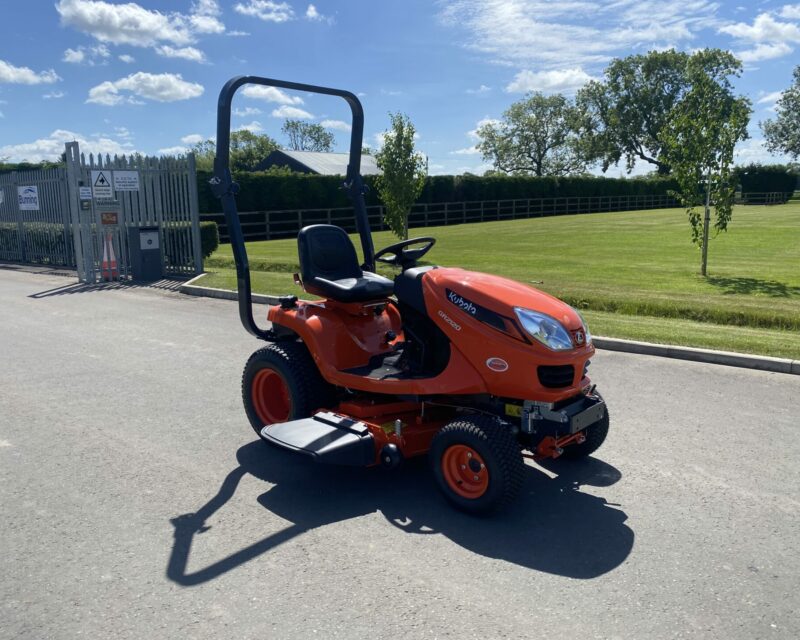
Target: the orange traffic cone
pixel 109 265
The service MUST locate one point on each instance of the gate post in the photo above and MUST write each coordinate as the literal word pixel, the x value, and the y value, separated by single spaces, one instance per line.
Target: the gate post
pixel 20 224
pixel 194 211
pixel 73 157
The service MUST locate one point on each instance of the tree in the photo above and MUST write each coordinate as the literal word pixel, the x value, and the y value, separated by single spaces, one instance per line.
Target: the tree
pixel 537 136
pixel 305 136
pixel 628 109
pixel 248 149
pixel 699 139
pixel 403 173
pixel 783 133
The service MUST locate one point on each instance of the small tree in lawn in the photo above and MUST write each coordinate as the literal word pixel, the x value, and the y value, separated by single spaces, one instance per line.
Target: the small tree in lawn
pixel 404 171
pixel 702 131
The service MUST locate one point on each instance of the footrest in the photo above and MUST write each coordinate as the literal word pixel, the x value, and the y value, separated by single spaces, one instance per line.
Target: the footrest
pixel 327 437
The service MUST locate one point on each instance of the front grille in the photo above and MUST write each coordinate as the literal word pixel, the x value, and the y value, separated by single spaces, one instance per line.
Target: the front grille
pixel 557 376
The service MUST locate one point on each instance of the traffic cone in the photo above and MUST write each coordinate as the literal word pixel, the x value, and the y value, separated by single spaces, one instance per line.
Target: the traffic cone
pixel 109 265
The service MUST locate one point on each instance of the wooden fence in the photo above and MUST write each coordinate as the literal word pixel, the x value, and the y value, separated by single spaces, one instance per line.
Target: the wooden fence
pixel 268 225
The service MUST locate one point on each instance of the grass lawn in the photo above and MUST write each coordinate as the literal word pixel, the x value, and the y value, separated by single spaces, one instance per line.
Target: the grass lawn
pixel 636 273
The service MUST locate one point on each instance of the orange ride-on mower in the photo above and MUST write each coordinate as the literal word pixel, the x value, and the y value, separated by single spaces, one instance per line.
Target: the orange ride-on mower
pixel 474 370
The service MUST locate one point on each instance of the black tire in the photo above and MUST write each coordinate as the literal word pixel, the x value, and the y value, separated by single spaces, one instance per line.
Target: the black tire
pixel 595 436
pixel 307 391
pixel 495 445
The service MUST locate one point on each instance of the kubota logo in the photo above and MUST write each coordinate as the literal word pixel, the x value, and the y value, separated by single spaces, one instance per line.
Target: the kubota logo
pixel 497 364
pixel 464 305
pixel 449 321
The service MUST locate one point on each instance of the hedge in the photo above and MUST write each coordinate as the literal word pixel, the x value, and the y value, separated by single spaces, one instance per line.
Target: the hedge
pixel 209 238
pixel 263 192
pixel 767 179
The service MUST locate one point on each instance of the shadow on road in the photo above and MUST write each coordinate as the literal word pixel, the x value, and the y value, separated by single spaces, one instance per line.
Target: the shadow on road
pixel 552 527
pixel 69 289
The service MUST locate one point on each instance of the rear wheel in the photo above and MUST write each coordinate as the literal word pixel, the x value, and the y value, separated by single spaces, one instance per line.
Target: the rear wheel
pixel 281 382
pixel 477 463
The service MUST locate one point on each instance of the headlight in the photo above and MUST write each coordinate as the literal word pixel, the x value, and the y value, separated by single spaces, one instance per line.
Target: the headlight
pixel 549 331
pixel 585 327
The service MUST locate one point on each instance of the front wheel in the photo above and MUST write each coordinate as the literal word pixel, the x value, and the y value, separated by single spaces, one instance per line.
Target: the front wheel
pixel 281 382
pixel 477 463
pixel 595 436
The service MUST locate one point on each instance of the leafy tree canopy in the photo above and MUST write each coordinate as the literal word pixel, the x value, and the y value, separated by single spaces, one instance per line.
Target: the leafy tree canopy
pixel 783 133
pixel 307 136
pixel 248 149
pixel 536 136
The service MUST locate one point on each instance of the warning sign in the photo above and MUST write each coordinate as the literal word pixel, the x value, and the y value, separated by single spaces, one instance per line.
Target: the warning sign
pixel 126 180
pixel 109 217
pixel 101 185
pixel 85 193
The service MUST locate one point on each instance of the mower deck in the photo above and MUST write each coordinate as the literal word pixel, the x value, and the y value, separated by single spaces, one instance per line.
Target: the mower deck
pixel 327 437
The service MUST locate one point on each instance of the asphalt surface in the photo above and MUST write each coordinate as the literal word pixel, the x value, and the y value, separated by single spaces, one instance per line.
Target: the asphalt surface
pixel 136 502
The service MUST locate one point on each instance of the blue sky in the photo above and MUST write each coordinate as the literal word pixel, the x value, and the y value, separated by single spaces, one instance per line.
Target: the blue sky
pixel 144 76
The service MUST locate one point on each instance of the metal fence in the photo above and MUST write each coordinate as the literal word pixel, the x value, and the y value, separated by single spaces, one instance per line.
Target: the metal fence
pixel 60 217
pixel 267 225
pixel 34 218
pixel 771 197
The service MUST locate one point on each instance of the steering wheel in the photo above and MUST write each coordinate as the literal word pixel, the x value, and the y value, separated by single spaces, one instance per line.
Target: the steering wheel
pixel 399 256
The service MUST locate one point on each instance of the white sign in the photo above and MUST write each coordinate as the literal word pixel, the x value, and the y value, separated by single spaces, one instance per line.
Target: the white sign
pixel 85 193
pixel 28 198
pixel 101 185
pixel 126 180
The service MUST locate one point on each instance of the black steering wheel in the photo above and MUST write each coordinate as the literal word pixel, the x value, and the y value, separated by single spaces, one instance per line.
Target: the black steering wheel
pixel 399 256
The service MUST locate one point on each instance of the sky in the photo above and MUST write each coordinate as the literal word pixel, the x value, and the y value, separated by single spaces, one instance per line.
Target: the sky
pixel 144 76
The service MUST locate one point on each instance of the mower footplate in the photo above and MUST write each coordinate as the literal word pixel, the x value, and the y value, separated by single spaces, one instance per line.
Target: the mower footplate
pixel 326 437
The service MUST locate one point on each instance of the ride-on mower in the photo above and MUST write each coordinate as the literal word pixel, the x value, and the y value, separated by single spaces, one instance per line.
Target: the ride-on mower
pixel 475 370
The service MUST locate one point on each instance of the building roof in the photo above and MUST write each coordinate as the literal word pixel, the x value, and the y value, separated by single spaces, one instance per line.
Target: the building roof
pixel 326 164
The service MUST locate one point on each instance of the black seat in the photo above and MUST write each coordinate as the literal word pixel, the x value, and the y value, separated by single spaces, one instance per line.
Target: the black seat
pixel 329 267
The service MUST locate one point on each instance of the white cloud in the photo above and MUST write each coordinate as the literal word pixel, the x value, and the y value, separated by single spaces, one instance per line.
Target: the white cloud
pixel 186 53
pixel 54 95
pixel 266 10
pixel 315 16
pixel 286 111
pixel 247 112
pixel 254 127
pixel 163 87
pixel 553 81
pixel 764 52
pixel 469 151
pixel 126 23
pixel 770 98
pixel 23 75
pixel 753 150
pixel 479 91
pixel 173 151
pixel 87 55
pixel 52 147
pixel 270 94
pixel 205 17
pixel 127 59
pixel 339 125
pixel 790 11
pixel 764 29
pixel 237 34
pixel 192 138
pixel 538 33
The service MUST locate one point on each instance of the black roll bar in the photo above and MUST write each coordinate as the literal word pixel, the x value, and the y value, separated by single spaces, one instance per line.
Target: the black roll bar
pixel 225 189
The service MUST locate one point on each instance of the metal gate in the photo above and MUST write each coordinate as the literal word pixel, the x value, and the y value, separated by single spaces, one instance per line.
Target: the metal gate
pixel 80 215
pixel 34 218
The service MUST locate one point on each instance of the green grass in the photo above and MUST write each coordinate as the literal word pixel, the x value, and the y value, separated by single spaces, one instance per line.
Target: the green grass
pixel 637 272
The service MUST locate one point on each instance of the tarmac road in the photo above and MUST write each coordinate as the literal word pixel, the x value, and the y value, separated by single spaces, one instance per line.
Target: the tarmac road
pixel 136 502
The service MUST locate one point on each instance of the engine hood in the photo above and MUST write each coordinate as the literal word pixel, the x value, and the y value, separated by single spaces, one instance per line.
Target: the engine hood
pixel 471 291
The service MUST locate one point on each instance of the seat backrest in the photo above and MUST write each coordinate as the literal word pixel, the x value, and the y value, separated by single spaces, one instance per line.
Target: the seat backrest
pixel 326 251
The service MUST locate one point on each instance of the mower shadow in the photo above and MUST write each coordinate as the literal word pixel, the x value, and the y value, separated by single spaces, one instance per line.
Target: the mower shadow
pixel 552 527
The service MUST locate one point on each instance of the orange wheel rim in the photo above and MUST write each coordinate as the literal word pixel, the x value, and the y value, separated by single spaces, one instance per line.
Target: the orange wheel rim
pixel 465 471
pixel 271 398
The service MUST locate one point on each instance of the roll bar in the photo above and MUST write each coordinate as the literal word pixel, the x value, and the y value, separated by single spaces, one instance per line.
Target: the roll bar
pixel 225 189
